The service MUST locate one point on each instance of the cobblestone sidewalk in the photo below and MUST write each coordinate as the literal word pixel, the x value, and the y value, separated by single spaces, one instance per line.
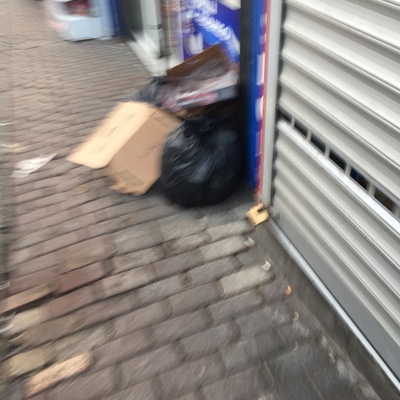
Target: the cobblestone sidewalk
pixel 123 298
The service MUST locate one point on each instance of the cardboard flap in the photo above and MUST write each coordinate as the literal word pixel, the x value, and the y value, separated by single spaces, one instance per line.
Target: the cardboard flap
pixel 138 164
pixel 189 66
pixel 115 131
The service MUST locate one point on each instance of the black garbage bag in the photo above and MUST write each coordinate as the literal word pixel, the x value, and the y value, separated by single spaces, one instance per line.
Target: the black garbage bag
pixel 201 163
pixel 150 93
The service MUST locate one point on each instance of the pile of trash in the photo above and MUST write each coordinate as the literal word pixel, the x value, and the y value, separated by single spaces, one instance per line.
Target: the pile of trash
pixel 181 128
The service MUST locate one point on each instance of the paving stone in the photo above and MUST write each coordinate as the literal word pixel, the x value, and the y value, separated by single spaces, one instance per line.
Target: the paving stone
pixel 35 265
pixel 137 259
pixel 81 342
pixel 263 320
pixel 181 226
pixel 57 373
pixel 137 238
pixel 240 355
pixel 331 381
pixel 148 365
pixel 22 299
pixel 142 391
pixel 109 308
pixel 27 319
pixel 86 252
pixel 292 366
pixel 52 330
pixel 185 244
pixel 209 341
pixel 126 281
pixel 213 271
pixel 26 282
pixel 122 348
pixel 141 318
pixel 70 302
pixel 245 385
pixel 177 264
pixel 94 386
pixel 223 248
pixel 295 332
pixel 190 376
pixel 27 362
pixel 235 306
pixel 274 291
pixel 180 327
pixel 244 280
pixel 193 299
pixel 160 290
pixel 230 229
pixel 81 277
pixel 298 390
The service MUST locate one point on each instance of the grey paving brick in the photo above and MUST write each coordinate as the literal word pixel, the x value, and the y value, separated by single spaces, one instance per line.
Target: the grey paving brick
pixel 230 229
pixel 185 244
pixel 181 226
pixel 331 381
pixel 292 366
pixel 190 376
pixel 263 320
pixel 80 342
pixel 137 238
pixel 180 327
pixel 160 290
pixel 93 386
pixel 122 348
pixel 235 306
pixel 299 390
pixel 125 281
pixel 213 270
pixel 245 385
pixel 209 341
pixel 149 365
pixel 193 299
pixel 240 355
pixel 142 391
pixel 177 264
pixel 244 280
pixel 137 259
pixel 223 248
pixel 274 291
pixel 141 318
pixel 70 302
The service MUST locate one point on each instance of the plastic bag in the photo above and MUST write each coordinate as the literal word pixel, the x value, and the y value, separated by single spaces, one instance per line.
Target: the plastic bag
pixel 201 163
pixel 150 93
pixel 210 83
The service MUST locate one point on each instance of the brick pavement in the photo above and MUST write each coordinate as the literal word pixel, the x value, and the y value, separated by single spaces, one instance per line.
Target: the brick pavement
pixel 134 298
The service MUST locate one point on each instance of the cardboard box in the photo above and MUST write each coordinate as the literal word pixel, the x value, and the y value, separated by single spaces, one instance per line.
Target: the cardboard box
pixel 207 78
pixel 129 144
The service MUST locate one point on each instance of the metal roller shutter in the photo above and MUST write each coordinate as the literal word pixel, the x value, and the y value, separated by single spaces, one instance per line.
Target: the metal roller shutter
pixel 336 174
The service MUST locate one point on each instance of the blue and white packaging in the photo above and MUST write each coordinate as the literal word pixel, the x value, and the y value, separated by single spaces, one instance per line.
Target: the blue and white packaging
pixel 209 22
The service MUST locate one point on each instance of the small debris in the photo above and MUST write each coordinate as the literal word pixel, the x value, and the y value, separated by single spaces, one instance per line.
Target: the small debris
pixel 266 266
pixel 296 316
pixel 257 214
pixel 288 290
pixel 26 167
pixel 249 242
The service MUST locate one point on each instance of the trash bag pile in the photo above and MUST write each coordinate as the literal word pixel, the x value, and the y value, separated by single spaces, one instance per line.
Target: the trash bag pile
pixel 202 159
pixel 201 164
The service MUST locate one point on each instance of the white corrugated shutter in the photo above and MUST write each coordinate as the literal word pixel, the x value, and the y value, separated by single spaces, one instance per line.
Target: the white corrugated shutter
pixel 336 174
